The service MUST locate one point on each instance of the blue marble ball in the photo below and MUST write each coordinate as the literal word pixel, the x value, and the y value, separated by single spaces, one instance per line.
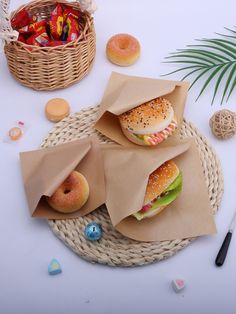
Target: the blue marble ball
pixel 93 231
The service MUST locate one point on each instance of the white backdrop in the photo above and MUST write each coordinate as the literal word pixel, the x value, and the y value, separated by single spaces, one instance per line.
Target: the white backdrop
pixel 27 245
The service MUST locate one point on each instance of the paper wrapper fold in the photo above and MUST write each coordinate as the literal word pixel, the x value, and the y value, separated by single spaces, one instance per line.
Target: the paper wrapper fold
pixel 44 170
pixel 127 171
pixel 126 92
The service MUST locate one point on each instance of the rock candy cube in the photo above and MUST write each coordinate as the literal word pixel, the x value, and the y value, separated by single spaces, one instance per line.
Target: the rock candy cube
pixel 178 285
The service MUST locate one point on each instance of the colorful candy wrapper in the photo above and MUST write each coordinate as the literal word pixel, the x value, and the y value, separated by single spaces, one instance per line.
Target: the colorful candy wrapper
pixel 38 39
pixel 42 39
pixel 33 19
pixel 54 43
pixel 69 11
pixel 22 38
pixel 22 19
pixel 34 28
pixel 65 33
pixel 56 22
pixel 63 27
pixel 32 41
pixel 73 28
pixel 15 133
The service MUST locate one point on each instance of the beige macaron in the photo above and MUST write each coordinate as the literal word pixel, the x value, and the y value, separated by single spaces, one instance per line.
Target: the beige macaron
pixel 57 109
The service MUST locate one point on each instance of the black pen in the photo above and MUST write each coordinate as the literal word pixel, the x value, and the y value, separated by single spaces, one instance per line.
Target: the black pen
pixel 220 258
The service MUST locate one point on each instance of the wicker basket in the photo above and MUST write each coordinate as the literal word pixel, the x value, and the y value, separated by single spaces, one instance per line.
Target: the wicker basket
pixel 48 68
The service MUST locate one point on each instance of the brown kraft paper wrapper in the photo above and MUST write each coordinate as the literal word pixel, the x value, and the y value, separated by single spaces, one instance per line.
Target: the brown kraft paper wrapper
pixel 127 171
pixel 126 92
pixel 44 170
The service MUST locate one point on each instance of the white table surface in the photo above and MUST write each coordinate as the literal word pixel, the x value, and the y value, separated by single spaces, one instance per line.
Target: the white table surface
pixel 27 245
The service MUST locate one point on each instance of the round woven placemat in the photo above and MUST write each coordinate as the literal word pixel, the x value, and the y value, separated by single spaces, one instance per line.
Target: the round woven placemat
pixel 114 249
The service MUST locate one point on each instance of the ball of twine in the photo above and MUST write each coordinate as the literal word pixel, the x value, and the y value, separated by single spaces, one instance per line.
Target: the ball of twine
pixel 223 124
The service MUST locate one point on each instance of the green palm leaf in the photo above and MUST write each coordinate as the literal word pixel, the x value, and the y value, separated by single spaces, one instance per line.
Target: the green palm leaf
pixel 232 88
pixel 217 69
pixel 219 80
pixel 214 59
pixel 228 82
pixel 230 30
pixel 222 42
pixel 213 48
pixel 212 55
pixel 190 73
pixel 227 36
pixel 198 77
pixel 183 69
pixel 192 56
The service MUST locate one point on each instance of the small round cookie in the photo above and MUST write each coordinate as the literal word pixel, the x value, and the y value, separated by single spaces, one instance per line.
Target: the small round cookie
pixel 71 195
pixel 57 109
pixel 15 133
pixel 123 49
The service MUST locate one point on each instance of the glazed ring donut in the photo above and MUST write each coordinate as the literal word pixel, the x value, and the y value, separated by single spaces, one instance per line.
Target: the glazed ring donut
pixel 123 49
pixel 71 195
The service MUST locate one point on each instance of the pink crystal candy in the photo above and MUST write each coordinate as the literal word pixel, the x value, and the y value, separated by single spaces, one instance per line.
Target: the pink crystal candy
pixel 178 284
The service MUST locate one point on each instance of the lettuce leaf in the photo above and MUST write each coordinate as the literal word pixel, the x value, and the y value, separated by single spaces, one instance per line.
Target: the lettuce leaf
pixel 169 195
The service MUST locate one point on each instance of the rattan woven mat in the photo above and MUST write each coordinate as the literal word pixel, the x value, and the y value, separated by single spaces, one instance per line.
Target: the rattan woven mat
pixel 114 249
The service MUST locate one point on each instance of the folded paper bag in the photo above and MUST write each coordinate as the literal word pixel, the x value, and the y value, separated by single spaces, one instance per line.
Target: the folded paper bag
pixel 126 92
pixel 44 170
pixel 127 171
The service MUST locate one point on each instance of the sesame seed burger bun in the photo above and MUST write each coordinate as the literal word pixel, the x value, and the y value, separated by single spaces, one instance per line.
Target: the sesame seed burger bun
pixel 150 117
pixel 160 179
pixel 164 185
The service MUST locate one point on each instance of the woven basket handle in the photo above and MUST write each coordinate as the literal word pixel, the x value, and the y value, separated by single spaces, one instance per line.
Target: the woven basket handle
pixel 7 34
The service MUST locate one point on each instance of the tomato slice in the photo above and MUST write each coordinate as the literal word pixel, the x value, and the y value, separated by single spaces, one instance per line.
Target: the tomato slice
pixel 145 208
pixel 156 138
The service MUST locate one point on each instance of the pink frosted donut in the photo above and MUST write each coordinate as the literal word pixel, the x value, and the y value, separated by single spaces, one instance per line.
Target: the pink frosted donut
pixel 123 49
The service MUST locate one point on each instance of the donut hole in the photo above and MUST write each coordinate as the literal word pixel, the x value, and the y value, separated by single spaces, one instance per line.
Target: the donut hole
pixel 123 43
pixel 66 191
